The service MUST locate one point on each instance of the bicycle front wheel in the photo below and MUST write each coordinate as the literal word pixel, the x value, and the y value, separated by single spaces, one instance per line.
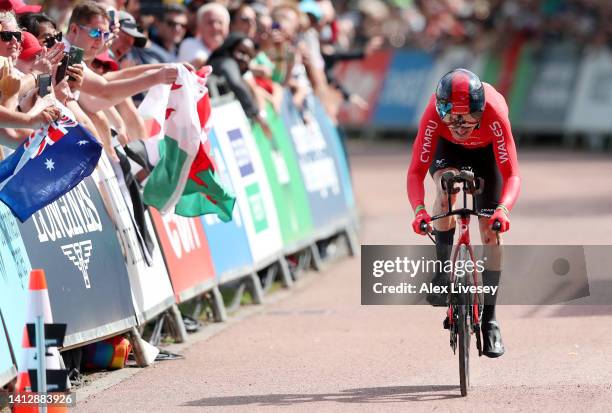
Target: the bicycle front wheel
pixel 464 349
pixel 463 321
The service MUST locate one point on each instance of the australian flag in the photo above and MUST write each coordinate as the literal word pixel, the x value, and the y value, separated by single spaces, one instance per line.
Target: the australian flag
pixel 52 161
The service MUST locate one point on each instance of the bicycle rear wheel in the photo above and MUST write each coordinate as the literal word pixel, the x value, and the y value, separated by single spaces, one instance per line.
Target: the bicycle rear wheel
pixel 464 350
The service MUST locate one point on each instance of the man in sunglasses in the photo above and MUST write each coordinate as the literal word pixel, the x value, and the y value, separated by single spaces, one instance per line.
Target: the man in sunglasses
pixel 170 29
pixel 466 125
pixel 89 30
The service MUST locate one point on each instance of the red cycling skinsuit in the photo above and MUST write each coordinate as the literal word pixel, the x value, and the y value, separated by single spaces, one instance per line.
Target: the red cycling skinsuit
pixel 494 131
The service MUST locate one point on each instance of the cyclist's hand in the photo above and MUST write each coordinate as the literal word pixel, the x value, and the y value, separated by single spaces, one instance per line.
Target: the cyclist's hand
pixel 421 216
pixel 501 217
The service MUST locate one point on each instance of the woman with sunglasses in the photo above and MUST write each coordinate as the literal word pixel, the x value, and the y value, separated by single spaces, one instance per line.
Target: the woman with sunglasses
pixel 466 125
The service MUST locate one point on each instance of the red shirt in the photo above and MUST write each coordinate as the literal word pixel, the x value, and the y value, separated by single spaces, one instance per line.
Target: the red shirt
pixel 494 129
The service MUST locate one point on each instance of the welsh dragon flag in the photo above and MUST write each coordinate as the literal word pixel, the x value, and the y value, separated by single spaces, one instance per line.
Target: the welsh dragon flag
pixel 183 179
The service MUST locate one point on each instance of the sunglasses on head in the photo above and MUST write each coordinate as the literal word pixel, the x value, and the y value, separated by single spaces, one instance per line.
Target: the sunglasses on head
pixel 52 39
pixel 7 36
pixel 96 33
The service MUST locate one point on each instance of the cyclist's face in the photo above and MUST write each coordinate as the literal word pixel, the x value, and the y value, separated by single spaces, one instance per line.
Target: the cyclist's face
pixel 461 132
pixel 461 126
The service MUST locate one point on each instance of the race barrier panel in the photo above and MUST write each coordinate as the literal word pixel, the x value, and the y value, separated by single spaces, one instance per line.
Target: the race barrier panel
pixel 330 132
pixel 150 285
pixel 75 241
pixel 317 166
pixel 14 273
pixel 185 250
pixel 7 365
pixel 252 189
pixel 545 105
pixel 590 109
pixel 228 242
pixel 405 85
pixel 288 192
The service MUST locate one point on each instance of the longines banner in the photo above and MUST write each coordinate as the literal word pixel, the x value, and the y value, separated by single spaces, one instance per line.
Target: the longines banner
pixel 75 242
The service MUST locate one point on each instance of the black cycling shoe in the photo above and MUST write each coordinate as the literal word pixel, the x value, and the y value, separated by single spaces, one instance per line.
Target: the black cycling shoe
pixel 492 341
pixel 438 299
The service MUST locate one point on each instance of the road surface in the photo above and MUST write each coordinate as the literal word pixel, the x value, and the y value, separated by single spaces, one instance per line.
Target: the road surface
pixel 319 350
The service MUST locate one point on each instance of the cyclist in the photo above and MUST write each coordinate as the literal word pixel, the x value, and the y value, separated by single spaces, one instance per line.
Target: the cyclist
pixel 466 126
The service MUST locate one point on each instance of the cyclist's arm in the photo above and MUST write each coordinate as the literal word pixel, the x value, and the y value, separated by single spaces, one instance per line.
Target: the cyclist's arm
pixel 423 151
pixel 507 162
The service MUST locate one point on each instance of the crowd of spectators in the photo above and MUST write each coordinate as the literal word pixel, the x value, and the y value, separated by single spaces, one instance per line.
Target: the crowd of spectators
pixel 481 24
pixel 257 49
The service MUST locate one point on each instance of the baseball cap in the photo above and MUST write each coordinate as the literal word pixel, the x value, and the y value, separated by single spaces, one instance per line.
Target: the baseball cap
pixel 311 7
pixel 29 46
pixel 105 58
pixel 19 7
pixel 128 25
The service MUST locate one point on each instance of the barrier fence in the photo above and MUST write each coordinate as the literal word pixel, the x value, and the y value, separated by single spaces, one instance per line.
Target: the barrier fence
pixel 293 189
pixel 550 87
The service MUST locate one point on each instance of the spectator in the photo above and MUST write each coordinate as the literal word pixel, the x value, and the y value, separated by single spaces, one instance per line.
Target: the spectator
pixel 243 20
pixel 213 27
pixel 42 27
pixel 10 41
pixel 103 63
pixel 231 61
pixel 129 36
pixel 89 30
pixel 59 11
pixel 171 28
pixel 30 50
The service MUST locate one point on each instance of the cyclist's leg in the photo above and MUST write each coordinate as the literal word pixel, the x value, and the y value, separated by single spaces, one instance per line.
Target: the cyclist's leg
pixel 492 241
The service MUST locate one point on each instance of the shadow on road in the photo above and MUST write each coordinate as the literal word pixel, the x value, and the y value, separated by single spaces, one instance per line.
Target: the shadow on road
pixel 364 395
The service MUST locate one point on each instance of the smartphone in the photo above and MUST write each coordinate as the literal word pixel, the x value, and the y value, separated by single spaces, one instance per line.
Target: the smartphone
pixel 61 70
pixel 75 57
pixel 44 84
pixel 111 17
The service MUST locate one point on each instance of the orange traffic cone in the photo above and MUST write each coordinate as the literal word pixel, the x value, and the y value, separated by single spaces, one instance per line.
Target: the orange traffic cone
pixel 38 306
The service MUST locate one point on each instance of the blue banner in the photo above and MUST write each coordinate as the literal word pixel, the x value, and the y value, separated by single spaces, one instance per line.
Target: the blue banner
pixel 227 241
pixel 333 138
pixel 14 277
pixel 75 242
pixel 403 89
pixel 317 160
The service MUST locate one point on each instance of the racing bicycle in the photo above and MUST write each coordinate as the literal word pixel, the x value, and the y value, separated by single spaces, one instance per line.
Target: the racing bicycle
pixel 464 310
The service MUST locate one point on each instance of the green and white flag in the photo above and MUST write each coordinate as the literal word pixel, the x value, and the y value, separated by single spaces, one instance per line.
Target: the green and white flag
pixel 183 179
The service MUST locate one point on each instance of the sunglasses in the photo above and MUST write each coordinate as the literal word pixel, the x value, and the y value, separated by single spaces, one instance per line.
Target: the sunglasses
pixel 96 33
pixel 175 24
pixel 52 39
pixel 6 36
pixel 455 120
